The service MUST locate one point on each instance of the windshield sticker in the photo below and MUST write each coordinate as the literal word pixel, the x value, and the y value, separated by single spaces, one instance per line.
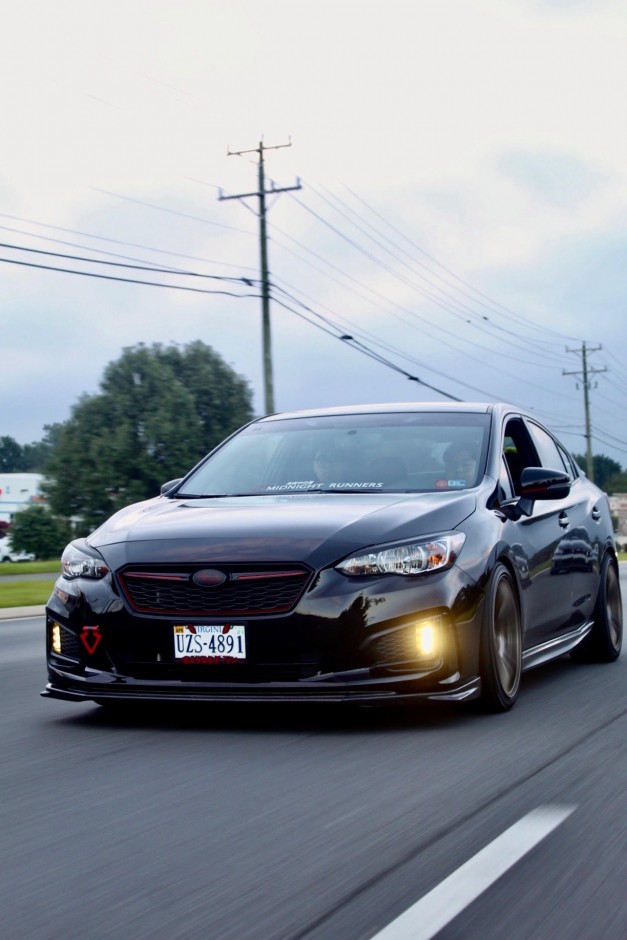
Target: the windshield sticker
pixel 309 485
pixel 450 484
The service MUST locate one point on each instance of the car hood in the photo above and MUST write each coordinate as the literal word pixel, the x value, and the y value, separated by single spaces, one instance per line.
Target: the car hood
pixel 314 528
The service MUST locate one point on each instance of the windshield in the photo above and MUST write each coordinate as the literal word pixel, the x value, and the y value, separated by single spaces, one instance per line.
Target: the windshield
pixel 400 452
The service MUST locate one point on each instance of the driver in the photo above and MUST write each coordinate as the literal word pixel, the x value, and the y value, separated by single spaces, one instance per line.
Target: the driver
pixel 327 466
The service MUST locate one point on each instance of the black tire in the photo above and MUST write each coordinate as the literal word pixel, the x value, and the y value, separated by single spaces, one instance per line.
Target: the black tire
pixel 501 643
pixel 603 644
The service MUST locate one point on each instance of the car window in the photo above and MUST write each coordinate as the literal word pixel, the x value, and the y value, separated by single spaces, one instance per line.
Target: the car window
pixel 518 450
pixel 548 451
pixel 569 463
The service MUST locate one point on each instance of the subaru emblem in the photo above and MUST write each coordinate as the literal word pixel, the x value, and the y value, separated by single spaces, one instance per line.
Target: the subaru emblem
pixel 209 577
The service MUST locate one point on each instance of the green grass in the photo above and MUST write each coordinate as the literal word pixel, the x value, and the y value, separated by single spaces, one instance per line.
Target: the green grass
pixel 31 567
pixel 25 593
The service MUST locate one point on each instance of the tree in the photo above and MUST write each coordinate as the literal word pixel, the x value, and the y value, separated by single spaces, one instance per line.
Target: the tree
pixel 35 456
pixel 35 530
pixel 11 455
pixel 15 458
pixel 604 468
pixel 224 403
pixel 159 410
pixel 616 484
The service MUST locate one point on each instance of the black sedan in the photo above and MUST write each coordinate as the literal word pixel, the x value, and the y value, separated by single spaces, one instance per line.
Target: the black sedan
pixel 372 554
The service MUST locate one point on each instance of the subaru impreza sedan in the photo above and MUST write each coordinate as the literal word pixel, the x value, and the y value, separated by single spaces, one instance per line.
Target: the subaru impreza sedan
pixel 371 555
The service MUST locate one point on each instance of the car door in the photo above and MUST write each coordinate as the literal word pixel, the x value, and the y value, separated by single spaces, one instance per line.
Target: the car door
pixel 576 557
pixel 548 599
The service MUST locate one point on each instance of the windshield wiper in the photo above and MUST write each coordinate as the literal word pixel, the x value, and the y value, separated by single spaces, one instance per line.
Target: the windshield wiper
pixel 201 495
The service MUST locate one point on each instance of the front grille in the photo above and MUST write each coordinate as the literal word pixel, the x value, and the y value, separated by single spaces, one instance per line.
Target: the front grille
pixel 245 592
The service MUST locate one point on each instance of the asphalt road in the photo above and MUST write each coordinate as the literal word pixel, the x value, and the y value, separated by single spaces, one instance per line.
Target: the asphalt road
pixel 256 824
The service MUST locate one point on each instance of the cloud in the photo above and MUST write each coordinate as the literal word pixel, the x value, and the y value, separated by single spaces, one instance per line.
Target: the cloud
pixel 559 179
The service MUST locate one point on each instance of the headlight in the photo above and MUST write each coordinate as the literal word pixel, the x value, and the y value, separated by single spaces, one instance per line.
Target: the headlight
pixel 81 561
pixel 410 558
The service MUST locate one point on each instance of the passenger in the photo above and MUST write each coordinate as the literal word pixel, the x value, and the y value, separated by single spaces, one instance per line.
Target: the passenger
pixel 461 463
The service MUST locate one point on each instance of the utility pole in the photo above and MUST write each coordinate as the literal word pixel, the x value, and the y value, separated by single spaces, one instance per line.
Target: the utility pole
pixel 261 194
pixel 585 372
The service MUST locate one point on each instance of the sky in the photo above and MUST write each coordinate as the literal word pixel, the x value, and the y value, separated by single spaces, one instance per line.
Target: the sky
pixel 462 212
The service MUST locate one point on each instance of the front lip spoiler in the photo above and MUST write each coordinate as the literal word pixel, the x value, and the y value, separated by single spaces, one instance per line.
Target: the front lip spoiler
pixel 331 693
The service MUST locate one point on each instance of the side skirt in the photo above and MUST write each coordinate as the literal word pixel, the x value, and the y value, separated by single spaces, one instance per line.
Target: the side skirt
pixel 556 647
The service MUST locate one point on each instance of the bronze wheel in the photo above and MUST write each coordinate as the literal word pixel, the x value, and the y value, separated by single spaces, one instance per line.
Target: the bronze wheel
pixel 501 648
pixel 603 644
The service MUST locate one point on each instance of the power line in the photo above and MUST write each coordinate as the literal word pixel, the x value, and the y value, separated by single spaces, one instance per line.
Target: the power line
pixel 104 238
pixel 184 215
pixel 598 437
pixel 443 299
pixel 135 267
pixel 494 304
pixel 124 280
pixel 361 347
pixel 390 348
pixel 387 346
pixel 69 244
pixel 438 335
pixel 619 440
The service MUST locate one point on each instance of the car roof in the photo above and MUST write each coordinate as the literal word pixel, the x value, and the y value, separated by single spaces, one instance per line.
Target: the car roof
pixel 447 407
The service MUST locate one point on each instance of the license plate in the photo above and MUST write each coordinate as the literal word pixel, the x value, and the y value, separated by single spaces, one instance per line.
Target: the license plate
pixel 209 643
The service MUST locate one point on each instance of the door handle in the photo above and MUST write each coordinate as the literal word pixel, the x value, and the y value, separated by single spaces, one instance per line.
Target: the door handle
pixel 563 520
pixel 596 514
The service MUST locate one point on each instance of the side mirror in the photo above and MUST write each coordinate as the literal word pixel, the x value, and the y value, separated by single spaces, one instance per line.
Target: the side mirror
pixel 539 483
pixel 166 487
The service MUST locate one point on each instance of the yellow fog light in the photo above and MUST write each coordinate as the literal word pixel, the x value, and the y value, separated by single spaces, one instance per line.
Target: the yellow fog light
pixel 429 639
pixel 425 640
pixel 56 638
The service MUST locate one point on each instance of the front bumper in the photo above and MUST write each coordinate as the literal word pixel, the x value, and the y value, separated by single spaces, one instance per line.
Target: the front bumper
pixel 339 645
pixel 357 690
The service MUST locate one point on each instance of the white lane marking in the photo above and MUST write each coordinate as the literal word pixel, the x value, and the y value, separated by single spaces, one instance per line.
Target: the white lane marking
pixel 424 919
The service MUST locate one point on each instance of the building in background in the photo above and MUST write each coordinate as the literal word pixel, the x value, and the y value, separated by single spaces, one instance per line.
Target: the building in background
pixel 618 508
pixel 18 490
